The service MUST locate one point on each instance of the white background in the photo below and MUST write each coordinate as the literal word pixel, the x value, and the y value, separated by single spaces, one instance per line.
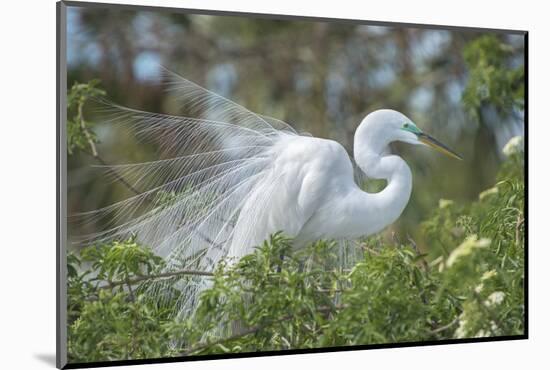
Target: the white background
pixel 27 163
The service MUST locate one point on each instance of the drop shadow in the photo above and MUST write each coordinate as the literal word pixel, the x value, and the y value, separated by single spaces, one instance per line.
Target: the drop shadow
pixel 47 358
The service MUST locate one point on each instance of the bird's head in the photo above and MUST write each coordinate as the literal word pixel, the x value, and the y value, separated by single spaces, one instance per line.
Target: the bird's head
pixel 385 126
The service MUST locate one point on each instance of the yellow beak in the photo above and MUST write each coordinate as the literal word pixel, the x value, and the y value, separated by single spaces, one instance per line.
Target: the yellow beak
pixel 437 145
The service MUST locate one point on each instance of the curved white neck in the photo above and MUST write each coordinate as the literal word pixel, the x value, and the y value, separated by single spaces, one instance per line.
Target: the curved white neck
pixel 378 210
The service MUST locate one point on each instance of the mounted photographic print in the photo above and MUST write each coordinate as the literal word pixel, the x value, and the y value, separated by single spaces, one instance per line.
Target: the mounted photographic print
pixel 235 184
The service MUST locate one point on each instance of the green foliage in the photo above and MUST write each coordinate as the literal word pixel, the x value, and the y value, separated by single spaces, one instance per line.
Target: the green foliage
pixel 109 317
pixel 487 269
pixel 121 261
pixel 492 80
pixel 468 283
pixel 79 137
pixel 115 327
pixel 388 300
pixel 268 300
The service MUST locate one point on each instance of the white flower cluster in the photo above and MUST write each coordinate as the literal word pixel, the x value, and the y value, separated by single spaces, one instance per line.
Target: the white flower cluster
pixel 467 247
pixel 514 145
pixel 494 299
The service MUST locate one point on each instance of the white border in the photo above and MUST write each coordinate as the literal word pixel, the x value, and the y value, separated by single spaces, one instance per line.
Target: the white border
pixel 28 203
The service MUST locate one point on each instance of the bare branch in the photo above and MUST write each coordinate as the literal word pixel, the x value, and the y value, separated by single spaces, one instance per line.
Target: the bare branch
pixel 163 275
pixel 445 327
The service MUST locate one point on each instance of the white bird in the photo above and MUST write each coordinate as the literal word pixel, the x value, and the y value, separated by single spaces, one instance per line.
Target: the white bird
pixel 228 178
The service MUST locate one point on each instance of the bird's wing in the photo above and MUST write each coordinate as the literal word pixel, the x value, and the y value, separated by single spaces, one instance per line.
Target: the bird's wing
pixel 189 200
pixel 283 199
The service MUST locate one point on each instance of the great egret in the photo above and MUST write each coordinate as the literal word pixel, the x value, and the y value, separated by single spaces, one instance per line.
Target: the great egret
pixel 228 178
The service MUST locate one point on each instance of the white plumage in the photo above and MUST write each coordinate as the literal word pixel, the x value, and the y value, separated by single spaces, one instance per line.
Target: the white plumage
pixel 227 178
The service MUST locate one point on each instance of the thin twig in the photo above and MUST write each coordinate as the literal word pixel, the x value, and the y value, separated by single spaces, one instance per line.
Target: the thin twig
pixel 445 327
pixel 415 247
pixel 95 153
pixel 322 290
pixel 113 172
pixel 163 275
pixel 395 238
pixel 370 250
pixel 116 174
pixel 85 129
pixel 132 296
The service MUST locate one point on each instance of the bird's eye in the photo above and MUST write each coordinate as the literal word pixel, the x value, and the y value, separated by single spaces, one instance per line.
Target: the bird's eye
pixel 406 125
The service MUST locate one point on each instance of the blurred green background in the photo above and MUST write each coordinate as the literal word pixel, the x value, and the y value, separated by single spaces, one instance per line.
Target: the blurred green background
pixel 464 87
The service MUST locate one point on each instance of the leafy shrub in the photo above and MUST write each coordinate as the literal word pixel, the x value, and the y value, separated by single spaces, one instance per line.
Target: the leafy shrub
pixel 468 283
pixel 109 318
